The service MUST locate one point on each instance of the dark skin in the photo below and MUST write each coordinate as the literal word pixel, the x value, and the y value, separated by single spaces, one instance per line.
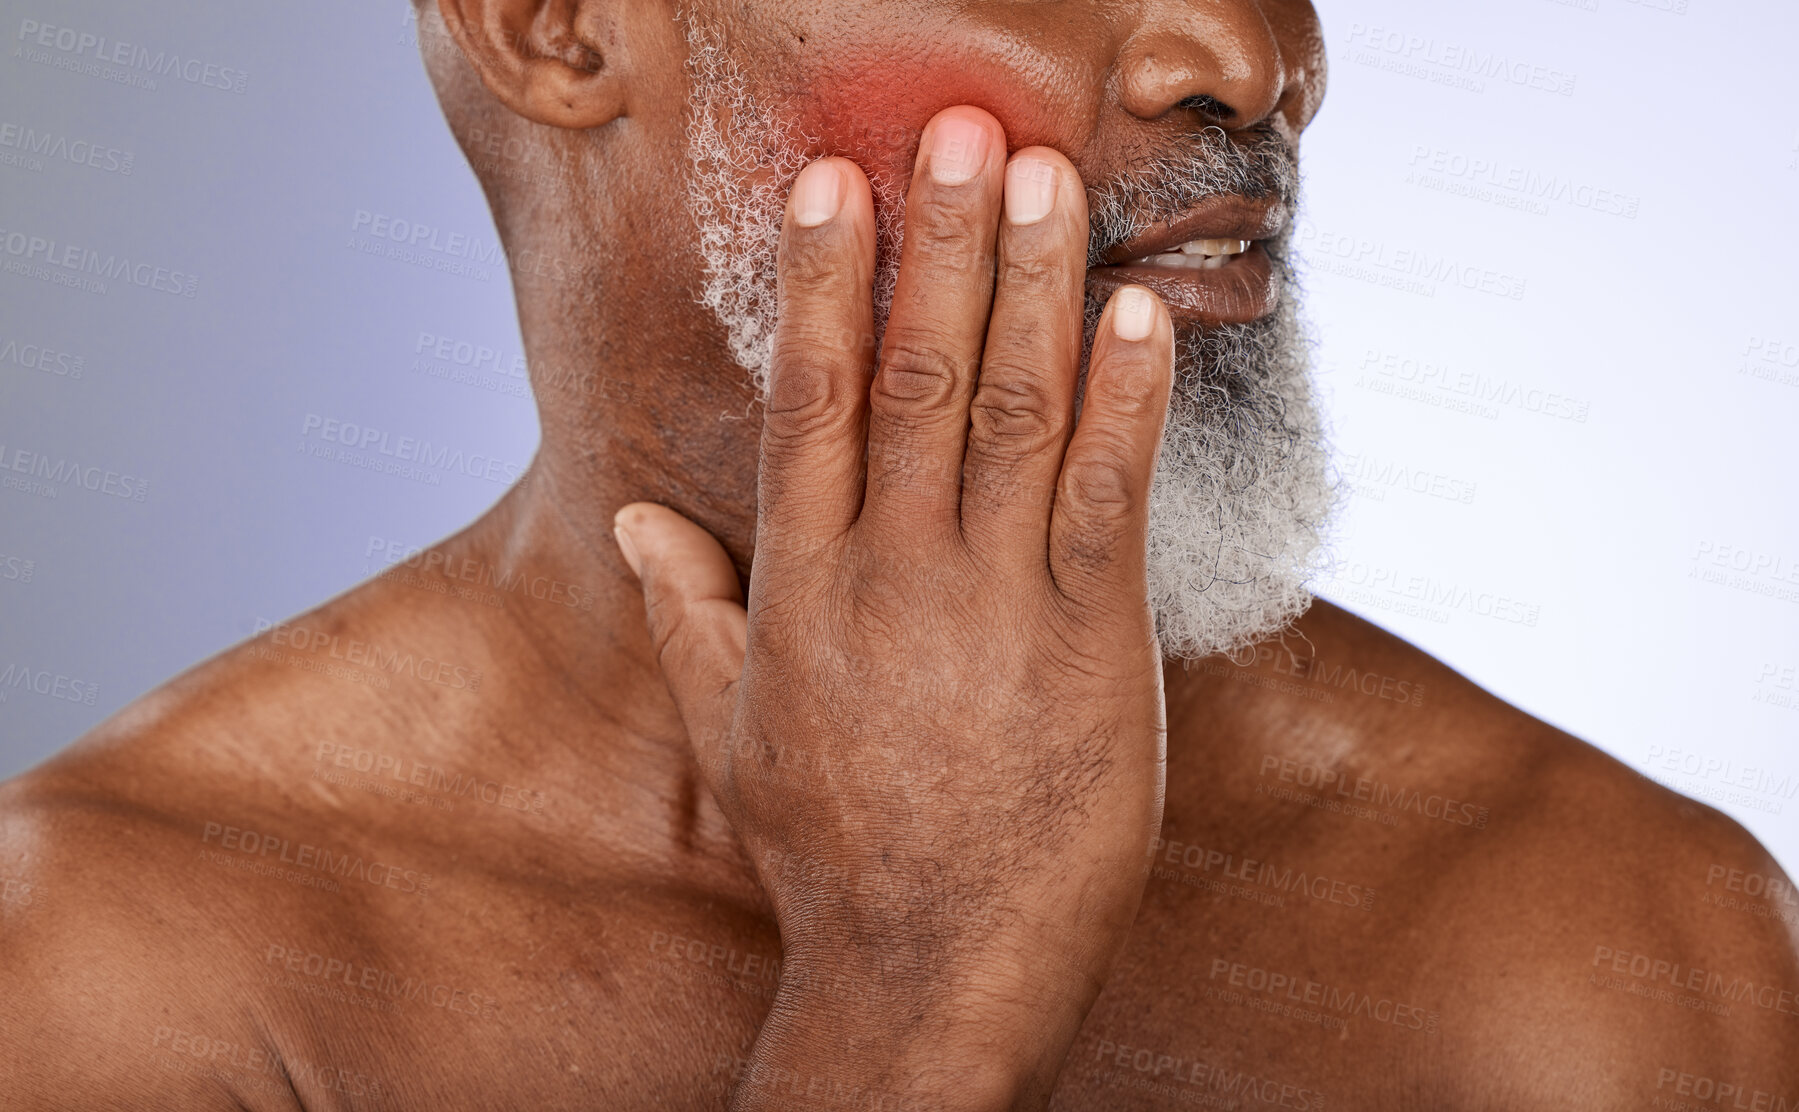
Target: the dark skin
pixel 606 904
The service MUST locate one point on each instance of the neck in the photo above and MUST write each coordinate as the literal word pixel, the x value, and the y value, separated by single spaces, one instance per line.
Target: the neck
pixel 581 682
pixel 573 697
pixel 627 416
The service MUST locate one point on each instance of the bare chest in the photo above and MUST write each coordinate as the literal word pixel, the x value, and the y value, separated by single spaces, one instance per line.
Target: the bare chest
pixel 1232 993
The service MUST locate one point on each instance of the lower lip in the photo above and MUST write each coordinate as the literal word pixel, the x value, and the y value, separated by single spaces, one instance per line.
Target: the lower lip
pixel 1238 292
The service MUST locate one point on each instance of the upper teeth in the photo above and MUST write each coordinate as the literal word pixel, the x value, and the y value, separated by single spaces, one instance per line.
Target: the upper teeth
pixel 1198 254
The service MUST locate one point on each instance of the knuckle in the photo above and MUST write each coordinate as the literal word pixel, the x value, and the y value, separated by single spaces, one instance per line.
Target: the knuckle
pixel 917 374
pixel 1102 500
pixel 805 400
pixel 838 331
pixel 1128 394
pixel 948 233
pixel 1102 485
pixel 811 264
pixel 804 379
pixel 1031 271
pixel 1013 414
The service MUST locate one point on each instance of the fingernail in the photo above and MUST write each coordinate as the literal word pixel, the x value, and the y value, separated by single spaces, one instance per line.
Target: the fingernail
pixel 958 148
pixel 1133 313
pixel 817 194
pixel 1030 189
pixel 628 549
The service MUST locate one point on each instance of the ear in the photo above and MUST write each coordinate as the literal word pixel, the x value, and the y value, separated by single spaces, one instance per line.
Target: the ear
pixel 555 62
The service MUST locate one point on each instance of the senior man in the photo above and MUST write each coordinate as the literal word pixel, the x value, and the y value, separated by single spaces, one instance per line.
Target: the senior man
pixel 1025 773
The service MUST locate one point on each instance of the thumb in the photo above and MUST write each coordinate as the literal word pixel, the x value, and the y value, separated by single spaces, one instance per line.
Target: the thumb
pixel 697 622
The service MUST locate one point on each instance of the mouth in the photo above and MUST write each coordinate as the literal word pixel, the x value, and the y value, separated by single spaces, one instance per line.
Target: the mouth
pixel 1209 265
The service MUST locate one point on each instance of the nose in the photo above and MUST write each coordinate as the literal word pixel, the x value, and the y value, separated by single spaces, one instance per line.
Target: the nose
pixel 1220 58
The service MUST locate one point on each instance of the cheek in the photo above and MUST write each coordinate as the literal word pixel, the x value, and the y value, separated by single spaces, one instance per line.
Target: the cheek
pixel 874 112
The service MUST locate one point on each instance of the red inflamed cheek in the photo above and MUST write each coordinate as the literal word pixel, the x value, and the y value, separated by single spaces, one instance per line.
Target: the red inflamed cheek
pixel 874 111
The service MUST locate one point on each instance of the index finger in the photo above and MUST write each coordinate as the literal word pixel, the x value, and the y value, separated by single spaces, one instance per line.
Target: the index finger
pixel 809 489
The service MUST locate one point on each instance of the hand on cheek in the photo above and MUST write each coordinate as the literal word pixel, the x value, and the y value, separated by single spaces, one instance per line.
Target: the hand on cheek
pixel 938 725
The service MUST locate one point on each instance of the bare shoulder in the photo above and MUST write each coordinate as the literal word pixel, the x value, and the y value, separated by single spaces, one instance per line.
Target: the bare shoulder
pixel 133 917
pixel 110 937
pixel 1593 924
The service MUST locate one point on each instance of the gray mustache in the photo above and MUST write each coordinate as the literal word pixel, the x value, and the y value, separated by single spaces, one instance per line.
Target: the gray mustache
pixel 1258 164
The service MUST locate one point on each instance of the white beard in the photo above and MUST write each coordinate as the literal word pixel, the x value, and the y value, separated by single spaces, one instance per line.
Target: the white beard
pixel 1242 491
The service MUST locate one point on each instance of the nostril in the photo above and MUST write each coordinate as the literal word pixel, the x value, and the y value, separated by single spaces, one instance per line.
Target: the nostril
pixel 1211 107
pixel 1220 73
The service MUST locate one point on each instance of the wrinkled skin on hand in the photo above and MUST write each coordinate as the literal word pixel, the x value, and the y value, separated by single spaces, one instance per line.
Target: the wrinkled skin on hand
pixel 938 726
